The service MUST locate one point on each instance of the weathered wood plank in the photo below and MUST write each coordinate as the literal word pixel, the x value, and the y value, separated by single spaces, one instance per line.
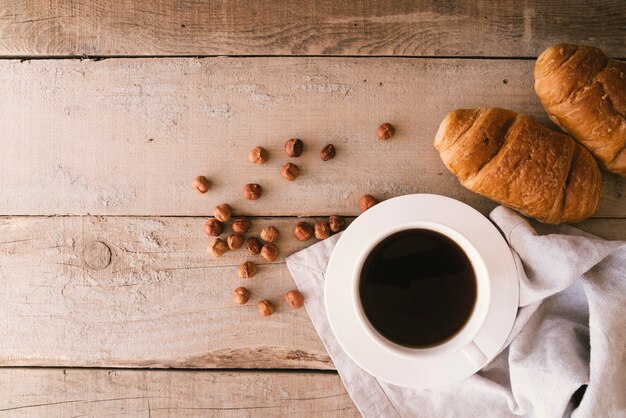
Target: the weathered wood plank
pixel 158 393
pixel 126 137
pixel 614 229
pixel 399 27
pixel 143 292
pixel 157 300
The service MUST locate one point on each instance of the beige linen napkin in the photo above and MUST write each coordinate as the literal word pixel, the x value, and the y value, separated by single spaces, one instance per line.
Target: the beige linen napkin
pixel 565 356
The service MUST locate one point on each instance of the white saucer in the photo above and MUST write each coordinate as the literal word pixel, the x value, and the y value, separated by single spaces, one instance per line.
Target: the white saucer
pixel 369 354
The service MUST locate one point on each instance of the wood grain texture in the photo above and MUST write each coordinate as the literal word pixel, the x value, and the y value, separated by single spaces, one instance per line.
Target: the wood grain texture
pixel 126 137
pixel 613 229
pixel 282 27
pixel 158 393
pixel 142 292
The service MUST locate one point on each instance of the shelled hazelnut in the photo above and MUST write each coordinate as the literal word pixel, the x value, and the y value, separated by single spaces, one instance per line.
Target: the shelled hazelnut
pixel 234 241
pixel 241 295
pixel 385 131
pixel 223 212
pixel 253 245
pixel 328 152
pixel 240 225
pixel 252 191
pixel 213 227
pixel 258 155
pixel 269 234
pixel 303 231
pixel 269 252
pixel 289 171
pixel 201 184
pixel 294 299
pixel 217 248
pixel 366 202
pixel 294 147
pixel 247 270
pixel 266 308
pixel 337 223
pixel 322 230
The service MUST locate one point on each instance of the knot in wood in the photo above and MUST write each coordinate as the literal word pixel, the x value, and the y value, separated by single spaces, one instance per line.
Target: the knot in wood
pixel 97 255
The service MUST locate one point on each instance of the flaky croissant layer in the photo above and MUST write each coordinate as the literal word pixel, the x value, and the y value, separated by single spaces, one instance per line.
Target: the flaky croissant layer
pixel 516 161
pixel 584 92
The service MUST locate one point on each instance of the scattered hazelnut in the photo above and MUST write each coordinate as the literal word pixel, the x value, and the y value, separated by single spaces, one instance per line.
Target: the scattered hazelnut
pixel 252 191
pixel 258 155
pixel 289 171
pixel 213 227
pixel 328 152
pixel 223 212
pixel 269 234
pixel 241 295
pixel 385 131
pixel 254 245
pixel 269 252
pixel 367 201
pixel 247 270
pixel 303 231
pixel 201 184
pixel 337 223
pixel 234 241
pixel 294 299
pixel 322 230
pixel 240 225
pixel 217 248
pixel 294 147
pixel 266 308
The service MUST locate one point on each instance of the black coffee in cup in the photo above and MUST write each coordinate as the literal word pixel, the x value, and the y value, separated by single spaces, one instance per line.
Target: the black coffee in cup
pixel 417 288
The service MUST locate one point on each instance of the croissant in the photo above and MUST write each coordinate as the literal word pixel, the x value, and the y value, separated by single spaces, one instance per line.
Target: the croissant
pixel 584 92
pixel 514 160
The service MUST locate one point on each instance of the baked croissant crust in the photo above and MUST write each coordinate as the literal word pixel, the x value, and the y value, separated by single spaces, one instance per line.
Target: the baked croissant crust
pixel 584 92
pixel 516 161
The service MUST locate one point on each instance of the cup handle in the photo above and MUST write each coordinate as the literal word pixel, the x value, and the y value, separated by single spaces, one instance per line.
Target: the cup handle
pixel 474 355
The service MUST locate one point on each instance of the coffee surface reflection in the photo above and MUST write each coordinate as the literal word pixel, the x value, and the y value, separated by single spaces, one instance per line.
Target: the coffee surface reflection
pixel 417 288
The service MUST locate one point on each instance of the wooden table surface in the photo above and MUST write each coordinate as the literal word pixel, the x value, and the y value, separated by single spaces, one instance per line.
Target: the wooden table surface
pixel 109 304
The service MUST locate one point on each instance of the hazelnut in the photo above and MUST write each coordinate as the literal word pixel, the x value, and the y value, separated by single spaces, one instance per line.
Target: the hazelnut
pixel 254 245
pixel 266 308
pixel 269 252
pixel 258 155
pixel 294 147
pixel 337 223
pixel 240 225
pixel 385 131
pixel 269 234
pixel 201 184
pixel 241 295
pixel 322 230
pixel 303 231
pixel 294 299
pixel 247 270
pixel 217 248
pixel 223 212
pixel 252 191
pixel 367 201
pixel 289 171
pixel 213 227
pixel 234 241
pixel 328 152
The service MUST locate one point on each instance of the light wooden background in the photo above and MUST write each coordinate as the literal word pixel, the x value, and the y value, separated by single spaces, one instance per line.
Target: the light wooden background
pixel 110 108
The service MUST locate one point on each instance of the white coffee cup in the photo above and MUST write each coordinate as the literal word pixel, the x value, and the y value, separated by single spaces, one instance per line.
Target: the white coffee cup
pixel 463 340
